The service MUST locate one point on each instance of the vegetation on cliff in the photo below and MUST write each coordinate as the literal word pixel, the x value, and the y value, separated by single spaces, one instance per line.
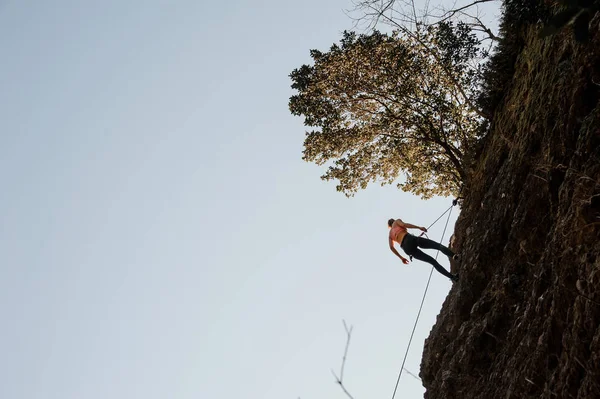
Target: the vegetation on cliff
pixel 385 104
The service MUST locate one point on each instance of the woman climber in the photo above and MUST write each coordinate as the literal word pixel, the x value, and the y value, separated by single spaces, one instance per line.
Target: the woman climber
pixel 410 244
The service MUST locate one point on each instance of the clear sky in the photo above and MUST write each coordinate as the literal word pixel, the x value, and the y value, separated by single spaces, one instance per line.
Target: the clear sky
pixel 160 236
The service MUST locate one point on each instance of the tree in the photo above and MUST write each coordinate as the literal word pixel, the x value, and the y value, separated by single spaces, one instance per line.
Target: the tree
pixel 391 106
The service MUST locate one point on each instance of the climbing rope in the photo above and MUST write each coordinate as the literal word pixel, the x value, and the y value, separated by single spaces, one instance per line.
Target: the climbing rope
pixel 425 234
pixel 436 220
pixel 424 295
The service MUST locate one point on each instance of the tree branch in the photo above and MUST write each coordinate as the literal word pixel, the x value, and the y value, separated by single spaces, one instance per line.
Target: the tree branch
pixel 455 83
pixel 479 23
pixel 450 13
pixel 340 380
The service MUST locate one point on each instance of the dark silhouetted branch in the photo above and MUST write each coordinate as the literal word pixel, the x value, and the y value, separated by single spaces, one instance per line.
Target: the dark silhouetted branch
pixel 340 379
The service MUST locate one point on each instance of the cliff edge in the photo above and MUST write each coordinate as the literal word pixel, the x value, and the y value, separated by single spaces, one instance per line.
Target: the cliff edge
pixel 524 319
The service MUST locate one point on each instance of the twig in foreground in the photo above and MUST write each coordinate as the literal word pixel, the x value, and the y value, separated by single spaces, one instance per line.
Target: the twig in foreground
pixel 340 379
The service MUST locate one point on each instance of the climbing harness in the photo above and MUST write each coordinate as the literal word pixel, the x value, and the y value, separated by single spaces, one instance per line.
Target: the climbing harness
pixel 454 203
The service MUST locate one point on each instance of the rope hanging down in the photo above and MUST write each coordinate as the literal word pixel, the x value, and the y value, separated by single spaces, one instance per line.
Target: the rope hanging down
pixel 424 295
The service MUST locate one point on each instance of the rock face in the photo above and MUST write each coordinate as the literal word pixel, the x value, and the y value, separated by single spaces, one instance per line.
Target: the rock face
pixel 524 320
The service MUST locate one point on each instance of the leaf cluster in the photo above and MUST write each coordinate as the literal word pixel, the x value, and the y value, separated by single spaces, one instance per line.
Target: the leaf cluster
pixel 389 106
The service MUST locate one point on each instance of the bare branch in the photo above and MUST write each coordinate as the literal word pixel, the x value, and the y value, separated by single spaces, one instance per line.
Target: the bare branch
pixel 405 12
pixel 349 334
pixel 340 380
pixel 451 13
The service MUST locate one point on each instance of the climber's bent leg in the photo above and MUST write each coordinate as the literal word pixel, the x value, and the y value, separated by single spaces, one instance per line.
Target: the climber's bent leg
pixel 430 244
pixel 422 256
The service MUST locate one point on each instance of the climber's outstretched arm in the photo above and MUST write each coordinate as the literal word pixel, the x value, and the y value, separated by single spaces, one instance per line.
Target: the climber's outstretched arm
pixel 404 260
pixel 408 225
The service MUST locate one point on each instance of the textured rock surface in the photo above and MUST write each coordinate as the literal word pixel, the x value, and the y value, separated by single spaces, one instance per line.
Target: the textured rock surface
pixel 524 321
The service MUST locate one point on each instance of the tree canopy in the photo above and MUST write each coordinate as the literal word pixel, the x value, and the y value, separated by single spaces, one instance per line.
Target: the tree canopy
pixel 387 108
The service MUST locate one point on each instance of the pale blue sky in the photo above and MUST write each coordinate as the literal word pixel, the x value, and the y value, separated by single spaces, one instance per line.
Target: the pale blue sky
pixel 161 236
